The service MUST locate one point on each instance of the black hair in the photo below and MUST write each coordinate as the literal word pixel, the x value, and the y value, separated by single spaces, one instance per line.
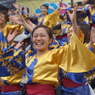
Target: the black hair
pixel 45 6
pixel 79 3
pixel 5 14
pixel 48 30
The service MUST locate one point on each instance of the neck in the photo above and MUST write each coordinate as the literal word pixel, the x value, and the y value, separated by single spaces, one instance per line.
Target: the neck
pixel 2 26
pixel 44 15
pixel 39 53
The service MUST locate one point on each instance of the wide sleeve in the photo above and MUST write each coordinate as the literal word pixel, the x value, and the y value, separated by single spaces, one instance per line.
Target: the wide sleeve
pixel 51 19
pixel 75 57
pixel 6 29
pixel 11 60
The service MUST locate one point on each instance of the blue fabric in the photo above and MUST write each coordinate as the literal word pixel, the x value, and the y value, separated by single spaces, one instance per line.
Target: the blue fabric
pixel 81 14
pixel 30 70
pixel 93 18
pixel 91 1
pixel 62 41
pixel 34 20
pixel 41 23
pixel 81 90
pixel 77 78
pixel 5 63
pixel 26 32
pixel 11 93
pixel 91 49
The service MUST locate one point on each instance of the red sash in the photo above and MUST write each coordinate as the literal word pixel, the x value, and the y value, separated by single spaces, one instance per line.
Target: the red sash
pixel 10 88
pixel 40 89
pixel 69 83
pixel 60 37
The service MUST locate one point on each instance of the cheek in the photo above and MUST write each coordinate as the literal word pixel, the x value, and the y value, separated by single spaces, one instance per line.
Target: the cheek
pixel 33 39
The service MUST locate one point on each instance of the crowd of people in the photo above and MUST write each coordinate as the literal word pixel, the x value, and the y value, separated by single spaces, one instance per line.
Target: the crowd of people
pixel 59 56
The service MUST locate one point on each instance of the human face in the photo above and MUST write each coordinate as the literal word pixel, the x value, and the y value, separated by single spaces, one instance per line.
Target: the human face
pixel 69 33
pixel 44 10
pixel 2 19
pixel 41 39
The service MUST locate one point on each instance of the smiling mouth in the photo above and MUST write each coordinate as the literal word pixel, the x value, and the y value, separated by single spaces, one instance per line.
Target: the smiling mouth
pixel 39 44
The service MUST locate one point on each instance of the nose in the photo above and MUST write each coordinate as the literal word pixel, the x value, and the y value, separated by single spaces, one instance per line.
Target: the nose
pixel 38 38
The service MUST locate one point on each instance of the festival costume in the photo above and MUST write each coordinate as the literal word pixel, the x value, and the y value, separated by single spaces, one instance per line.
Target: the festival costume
pixel 11 83
pixel 49 20
pixel 92 14
pixel 44 69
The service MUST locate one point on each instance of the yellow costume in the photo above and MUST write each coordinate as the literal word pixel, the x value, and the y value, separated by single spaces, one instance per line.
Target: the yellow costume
pixel 49 20
pixel 15 79
pixel 8 27
pixel 44 69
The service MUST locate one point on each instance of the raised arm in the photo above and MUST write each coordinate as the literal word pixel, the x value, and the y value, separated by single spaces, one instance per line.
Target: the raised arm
pixel 73 20
pixel 21 21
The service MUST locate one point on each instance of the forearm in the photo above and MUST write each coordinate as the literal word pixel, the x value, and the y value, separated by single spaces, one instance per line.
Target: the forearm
pixel 75 28
pixel 28 27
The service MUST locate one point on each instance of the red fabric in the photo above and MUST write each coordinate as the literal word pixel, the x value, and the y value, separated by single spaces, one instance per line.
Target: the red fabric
pixel 10 88
pixel 40 89
pixel 69 83
pixel 59 37
pixel 93 25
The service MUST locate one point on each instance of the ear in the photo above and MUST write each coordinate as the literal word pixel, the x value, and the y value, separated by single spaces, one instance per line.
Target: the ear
pixel 50 40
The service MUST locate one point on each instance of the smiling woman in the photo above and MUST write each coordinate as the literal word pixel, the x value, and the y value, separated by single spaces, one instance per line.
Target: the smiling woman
pixel 4 17
pixel 41 38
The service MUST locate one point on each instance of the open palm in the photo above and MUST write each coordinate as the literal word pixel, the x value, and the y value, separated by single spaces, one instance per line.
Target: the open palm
pixel 73 14
pixel 18 20
pixel 12 35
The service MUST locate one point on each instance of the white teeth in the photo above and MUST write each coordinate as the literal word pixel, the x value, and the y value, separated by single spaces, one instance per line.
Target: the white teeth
pixel 39 43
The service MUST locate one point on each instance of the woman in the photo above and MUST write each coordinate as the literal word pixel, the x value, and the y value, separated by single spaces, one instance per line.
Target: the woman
pixel 42 66
pixel 10 81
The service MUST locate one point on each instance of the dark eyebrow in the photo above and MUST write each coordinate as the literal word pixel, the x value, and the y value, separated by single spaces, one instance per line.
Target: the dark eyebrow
pixel 41 33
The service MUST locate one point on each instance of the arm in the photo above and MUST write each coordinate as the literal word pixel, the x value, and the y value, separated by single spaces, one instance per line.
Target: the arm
pixel 73 20
pixel 21 21
pixel 11 60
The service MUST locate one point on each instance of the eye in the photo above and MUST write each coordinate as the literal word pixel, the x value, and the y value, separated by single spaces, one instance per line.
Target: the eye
pixel 43 35
pixel 35 36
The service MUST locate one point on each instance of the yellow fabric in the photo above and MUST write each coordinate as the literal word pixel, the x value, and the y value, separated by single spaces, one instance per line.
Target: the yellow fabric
pixel 1 81
pixel 12 27
pixel 71 58
pixel 87 20
pixel 51 19
pixel 90 76
pixel 92 11
pixel 81 36
pixel 78 61
pixel 14 79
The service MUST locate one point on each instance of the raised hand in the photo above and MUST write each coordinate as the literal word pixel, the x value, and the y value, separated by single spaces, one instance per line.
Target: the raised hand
pixel 19 45
pixel 84 2
pixel 10 11
pixel 12 35
pixel 73 14
pixel 16 6
pixel 17 19
pixel 31 24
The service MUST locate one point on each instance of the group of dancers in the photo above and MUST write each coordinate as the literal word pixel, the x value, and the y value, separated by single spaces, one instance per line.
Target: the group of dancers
pixel 61 51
